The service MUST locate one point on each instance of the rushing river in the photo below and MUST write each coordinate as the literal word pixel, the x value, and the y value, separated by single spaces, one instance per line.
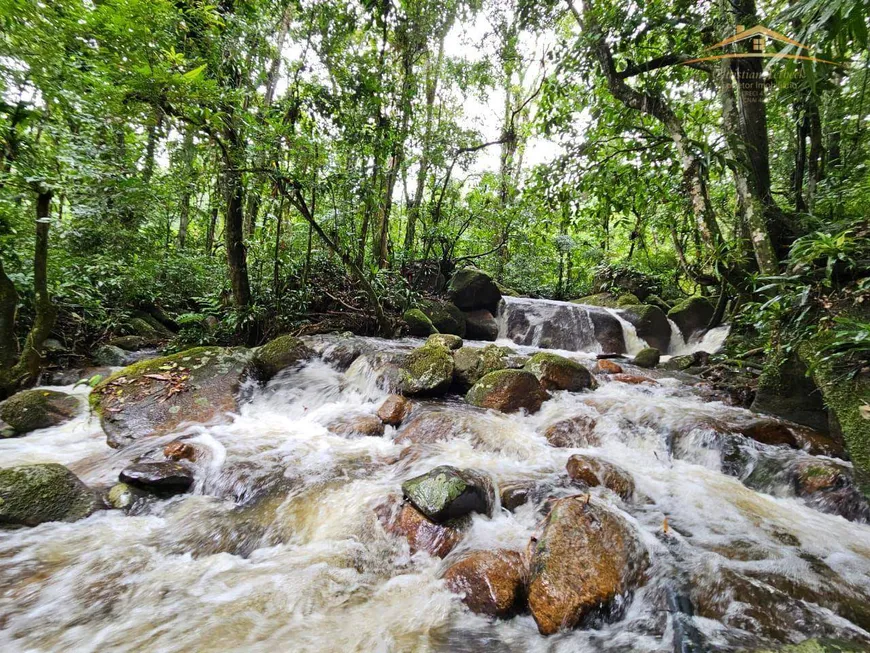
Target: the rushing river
pixel 278 548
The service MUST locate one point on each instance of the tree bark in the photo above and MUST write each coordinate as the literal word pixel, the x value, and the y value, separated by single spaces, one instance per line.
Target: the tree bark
pixel 187 176
pixel 8 314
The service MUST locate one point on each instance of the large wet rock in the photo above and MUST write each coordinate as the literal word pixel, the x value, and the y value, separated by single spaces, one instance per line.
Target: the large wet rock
pixel 650 323
pixel 435 426
pixel 367 425
pixel 446 340
pixel 445 493
pixel 647 357
pixel 490 582
pixel 34 494
pixel 480 325
pixel 383 367
pixel 394 410
pixel 692 315
pixel 605 366
pixel 508 391
pixel 418 323
pixel 156 396
pixel 340 353
pixel 278 354
pixel 422 534
pixel 110 355
pixel 559 373
pixel 593 472
pixel 608 332
pixel 787 391
pixel 578 431
pixel 773 432
pixel 470 364
pixel 160 477
pixel 603 299
pixel 472 289
pixel 584 564
pixel 29 410
pixel 830 487
pixel 445 317
pixel 428 370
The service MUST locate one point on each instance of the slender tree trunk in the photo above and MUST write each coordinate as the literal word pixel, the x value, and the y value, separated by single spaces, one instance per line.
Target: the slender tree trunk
pixel 8 315
pixel 234 236
pixel 187 175
pixel 800 163
pixel 151 147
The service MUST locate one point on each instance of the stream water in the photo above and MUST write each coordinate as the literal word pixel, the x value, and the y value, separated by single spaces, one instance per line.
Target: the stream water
pixel 277 547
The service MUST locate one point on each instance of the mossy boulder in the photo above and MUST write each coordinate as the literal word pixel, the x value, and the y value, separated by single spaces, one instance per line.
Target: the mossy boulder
pixel 445 340
pixel 648 357
pixel 628 299
pixel 480 325
pixel 428 370
pixel 131 343
pixel 278 354
pixel 29 410
pixel 818 646
pixel 559 373
pixel 650 323
pixel 692 314
pixel 603 299
pixel 445 317
pixel 471 289
pixel 146 326
pixel 508 391
pixel 34 494
pixel 156 396
pixel 111 356
pixel 787 391
pixel 418 323
pixel 473 363
pixel 445 493
pixel 681 363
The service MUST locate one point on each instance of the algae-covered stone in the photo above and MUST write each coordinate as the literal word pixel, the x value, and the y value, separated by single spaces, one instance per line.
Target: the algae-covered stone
pixel 418 323
pixel 692 315
pixel 34 494
pixel 122 496
pixel 427 370
pixel 470 289
pixel 156 396
pixel 131 343
pixel 446 317
pixel 648 357
pixel 508 391
pixel 447 340
pixel 628 299
pixel 603 299
pixel 480 325
pixel 650 323
pixel 473 363
pixel 559 373
pixel 446 492
pixel 278 354
pixel 681 363
pixel 110 355
pixel 29 410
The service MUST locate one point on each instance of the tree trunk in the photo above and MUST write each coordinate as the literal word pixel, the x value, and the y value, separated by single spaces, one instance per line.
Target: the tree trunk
pixel 234 236
pixel 8 314
pixel 151 147
pixel 187 175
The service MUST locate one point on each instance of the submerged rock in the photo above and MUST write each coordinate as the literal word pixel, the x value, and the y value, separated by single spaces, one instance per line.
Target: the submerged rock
pixel 278 354
pixel 422 534
pixel 34 494
pixel 609 367
pixel 633 379
pixel 490 582
pixel 692 315
pixel 30 410
pixel 162 477
pixel 518 493
pixel 418 323
pixel 435 426
pixel 384 367
pixel 592 472
pixel 647 357
pixel 585 563
pixel 573 432
pixel 650 323
pixel 428 370
pixel 180 450
pixel 480 325
pixel 559 373
pixel 394 410
pixel 122 496
pixel 154 397
pixel 471 289
pixel 445 493
pixel 368 425
pixel 508 391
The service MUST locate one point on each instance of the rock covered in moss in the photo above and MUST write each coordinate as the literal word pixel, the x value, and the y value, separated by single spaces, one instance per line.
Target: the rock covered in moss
pixel 681 363
pixel 34 494
pixel 29 410
pixel 593 472
pixel 491 583
pixel 692 315
pixel 585 560
pixel 603 299
pixel 471 289
pixel 122 496
pixel 111 356
pixel 473 363
pixel 147 326
pixel 418 323
pixel 650 323
pixel 559 373
pixel 445 317
pixel 648 357
pixel 445 493
pixel 278 354
pixel 480 325
pixel 156 396
pixel 131 343
pixel 508 391
pixel 627 299
pixel 447 340
pixel 427 370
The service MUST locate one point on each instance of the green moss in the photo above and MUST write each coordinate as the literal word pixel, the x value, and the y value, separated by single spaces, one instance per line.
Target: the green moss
pixel 34 494
pixel 627 299
pixel 37 409
pixel 427 370
pixel 446 317
pixel 559 373
pixel 445 340
pixel 278 354
pixel 648 357
pixel 604 299
pixel 418 323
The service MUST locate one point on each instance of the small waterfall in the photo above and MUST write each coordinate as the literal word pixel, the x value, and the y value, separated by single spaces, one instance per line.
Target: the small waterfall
pixel 710 341
pixel 633 342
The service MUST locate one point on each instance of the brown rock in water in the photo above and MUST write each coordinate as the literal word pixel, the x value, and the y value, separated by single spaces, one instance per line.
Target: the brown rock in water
pixel 508 391
pixel 633 379
pixel 609 367
pixel 394 409
pixel 576 431
pixel 432 427
pixel 518 493
pixel 178 450
pixel 490 582
pixel 585 557
pixel 560 373
pixel 774 433
pixel 830 487
pixel 368 425
pixel 422 534
pixel 593 472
